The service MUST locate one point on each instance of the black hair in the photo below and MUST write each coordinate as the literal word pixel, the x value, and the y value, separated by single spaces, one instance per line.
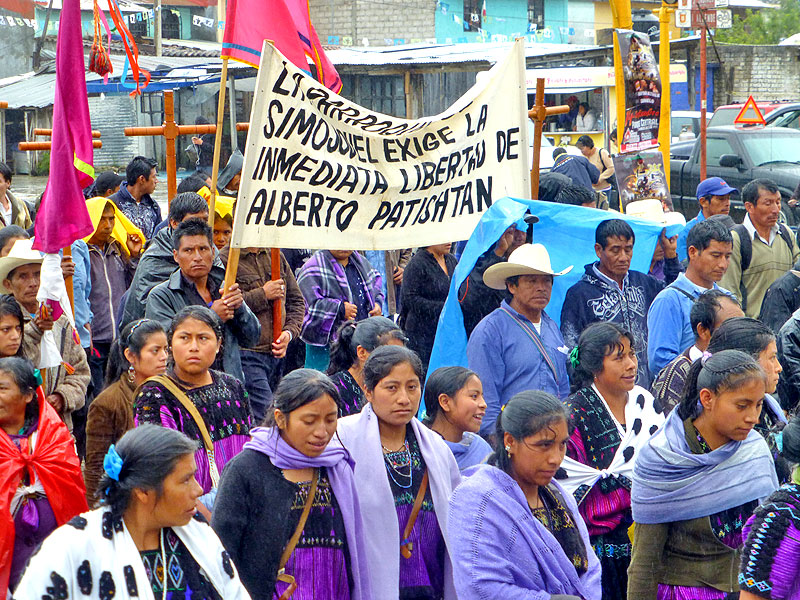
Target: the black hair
pixel 613 135
pixel 596 342
pixel 22 371
pixel 149 453
pixel 385 358
pixel 723 371
pixel 369 334
pixel 701 235
pixel 199 313
pixel 11 232
pixel 444 380
pixel 9 306
pixel 750 336
pixel 191 183
pixel 586 106
pixel 613 228
pixel 791 441
pixel 191 227
pixel 6 172
pixel 140 166
pixel 526 414
pixel 298 388
pixel 186 203
pixel 705 308
pixel 105 182
pixel 558 152
pixel 133 337
pixel 201 120
pixel 585 141
pixel 576 195
pixel 752 190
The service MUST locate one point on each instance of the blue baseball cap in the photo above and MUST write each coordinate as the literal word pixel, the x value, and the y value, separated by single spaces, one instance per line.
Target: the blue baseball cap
pixel 714 186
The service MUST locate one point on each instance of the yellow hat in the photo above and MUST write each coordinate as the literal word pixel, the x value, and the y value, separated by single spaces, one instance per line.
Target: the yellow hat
pixel 122 224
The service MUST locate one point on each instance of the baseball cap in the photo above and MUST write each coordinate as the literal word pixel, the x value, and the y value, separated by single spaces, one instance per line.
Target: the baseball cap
pixel 714 186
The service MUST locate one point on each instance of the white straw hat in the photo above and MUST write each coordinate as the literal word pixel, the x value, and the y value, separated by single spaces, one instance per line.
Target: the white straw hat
pixel 22 253
pixel 528 259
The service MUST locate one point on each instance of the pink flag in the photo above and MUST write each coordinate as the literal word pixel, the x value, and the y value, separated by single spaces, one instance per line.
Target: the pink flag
pixel 63 217
pixel 287 24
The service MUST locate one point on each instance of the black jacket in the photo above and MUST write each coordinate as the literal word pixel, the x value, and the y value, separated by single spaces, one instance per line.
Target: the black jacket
pixel 251 518
pixel 425 288
pixel 476 298
pixel 781 300
pixel 788 342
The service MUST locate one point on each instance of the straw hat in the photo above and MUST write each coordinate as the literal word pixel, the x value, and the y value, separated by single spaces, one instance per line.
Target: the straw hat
pixel 22 253
pixel 653 210
pixel 528 259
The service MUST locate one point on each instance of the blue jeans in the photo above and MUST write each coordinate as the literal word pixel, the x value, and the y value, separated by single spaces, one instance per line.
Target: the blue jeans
pixel 259 370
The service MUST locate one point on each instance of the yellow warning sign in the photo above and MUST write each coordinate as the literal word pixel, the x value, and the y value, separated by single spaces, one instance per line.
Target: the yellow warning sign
pixel 749 115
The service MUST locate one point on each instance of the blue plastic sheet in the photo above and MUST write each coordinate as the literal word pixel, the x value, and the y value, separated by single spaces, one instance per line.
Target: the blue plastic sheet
pixel 568 234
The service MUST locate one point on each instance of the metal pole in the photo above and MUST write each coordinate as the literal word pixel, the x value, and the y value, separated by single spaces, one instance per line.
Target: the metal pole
pixel 157 26
pixel 703 103
pixel 665 126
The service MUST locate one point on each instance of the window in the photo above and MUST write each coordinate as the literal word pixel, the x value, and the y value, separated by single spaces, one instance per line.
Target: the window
pixel 472 15
pixel 716 147
pixel 384 94
pixel 536 13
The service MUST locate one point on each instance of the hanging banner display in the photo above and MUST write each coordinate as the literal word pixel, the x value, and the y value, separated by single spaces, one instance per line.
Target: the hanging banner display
pixel 321 172
pixel 642 92
pixel 641 177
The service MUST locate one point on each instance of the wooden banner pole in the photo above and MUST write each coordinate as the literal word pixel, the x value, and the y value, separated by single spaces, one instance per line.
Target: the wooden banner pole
pixel 223 80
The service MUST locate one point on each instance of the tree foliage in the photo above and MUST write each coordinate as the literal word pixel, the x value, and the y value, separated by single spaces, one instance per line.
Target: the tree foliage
pixel 765 26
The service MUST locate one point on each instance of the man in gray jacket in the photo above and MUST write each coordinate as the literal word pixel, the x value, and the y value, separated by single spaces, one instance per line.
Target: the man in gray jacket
pixel 194 284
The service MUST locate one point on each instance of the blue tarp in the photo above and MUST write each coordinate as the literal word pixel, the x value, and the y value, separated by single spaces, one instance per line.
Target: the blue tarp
pixel 568 234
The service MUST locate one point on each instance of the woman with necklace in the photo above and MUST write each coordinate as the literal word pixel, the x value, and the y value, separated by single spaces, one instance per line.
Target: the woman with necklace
pixel 454 408
pixel 208 406
pixel 143 541
pixel 696 483
pixel 354 342
pixel 140 352
pixel 499 550
pixel 405 474
pixel 612 418
pixel 310 535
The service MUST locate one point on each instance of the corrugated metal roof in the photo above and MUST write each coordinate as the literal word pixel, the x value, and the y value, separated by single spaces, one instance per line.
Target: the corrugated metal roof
pixel 38 91
pixel 443 53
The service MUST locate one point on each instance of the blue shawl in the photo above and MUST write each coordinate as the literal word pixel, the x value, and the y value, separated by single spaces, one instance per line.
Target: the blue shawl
pixel 470 451
pixel 670 483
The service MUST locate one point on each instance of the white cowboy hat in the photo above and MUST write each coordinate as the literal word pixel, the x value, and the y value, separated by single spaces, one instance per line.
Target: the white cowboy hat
pixel 22 253
pixel 528 259
pixel 652 210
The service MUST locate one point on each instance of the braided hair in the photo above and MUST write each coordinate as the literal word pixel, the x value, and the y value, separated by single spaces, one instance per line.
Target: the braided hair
pixel 725 370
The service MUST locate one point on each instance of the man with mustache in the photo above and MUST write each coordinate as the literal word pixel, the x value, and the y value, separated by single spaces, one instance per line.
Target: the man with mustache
pixel 518 347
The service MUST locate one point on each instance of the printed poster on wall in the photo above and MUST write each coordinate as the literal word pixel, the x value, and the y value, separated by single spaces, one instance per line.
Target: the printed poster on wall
pixel 641 176
pixel 642 92
pixel 321 172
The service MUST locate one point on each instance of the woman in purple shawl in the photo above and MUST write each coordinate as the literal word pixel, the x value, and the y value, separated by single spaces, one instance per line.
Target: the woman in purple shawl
pixel 696 483
pixel 264 490
pixel 454 408
pixel 516 532
pixel 400 463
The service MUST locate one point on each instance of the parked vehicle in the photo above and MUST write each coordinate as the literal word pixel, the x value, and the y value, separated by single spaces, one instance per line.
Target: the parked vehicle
pixel 681 118
pixel 725 115
pixel 788 115
pixel 739 156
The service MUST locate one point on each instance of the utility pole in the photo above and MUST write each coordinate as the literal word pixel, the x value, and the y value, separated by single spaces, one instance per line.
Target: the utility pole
pixel 157 26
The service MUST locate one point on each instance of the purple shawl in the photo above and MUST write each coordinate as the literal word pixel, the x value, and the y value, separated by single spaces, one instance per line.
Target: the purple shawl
pixel 671 483
pixel 500 550
pixel 339 465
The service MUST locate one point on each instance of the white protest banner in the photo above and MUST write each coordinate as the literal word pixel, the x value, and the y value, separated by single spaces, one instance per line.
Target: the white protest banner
pixel 321 172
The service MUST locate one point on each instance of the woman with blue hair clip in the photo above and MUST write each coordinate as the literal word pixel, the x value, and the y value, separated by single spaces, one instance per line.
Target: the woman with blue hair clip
pixel 145 540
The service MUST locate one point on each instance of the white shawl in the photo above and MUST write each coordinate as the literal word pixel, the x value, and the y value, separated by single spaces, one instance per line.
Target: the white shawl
pixel 360 434
pixel 633 437
pixel 86 564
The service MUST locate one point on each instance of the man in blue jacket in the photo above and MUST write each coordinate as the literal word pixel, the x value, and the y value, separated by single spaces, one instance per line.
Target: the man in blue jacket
pixel 577 168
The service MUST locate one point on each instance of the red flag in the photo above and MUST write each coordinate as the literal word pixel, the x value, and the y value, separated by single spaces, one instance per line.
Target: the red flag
pixel 63 217
pixel 287 24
